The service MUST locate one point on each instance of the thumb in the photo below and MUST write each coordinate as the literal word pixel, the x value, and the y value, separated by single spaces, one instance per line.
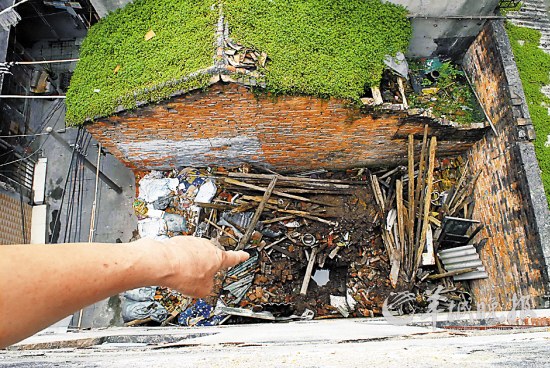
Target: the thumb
pixel 232 258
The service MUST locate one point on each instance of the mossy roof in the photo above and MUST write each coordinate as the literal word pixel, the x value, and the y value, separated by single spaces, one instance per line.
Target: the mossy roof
pixel 323 48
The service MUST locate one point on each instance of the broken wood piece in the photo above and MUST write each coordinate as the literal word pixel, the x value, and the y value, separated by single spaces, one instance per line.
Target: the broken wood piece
pixel 138 322
pixel 394 272
pixel 400 218
pixel 309 270
pixel 259 199
pixel 427 202
pixel 421 166
pixel 334 252
pixel 275 192
pixel 428 258
pixel 278 219
pixel 220 229
pixel 377 95
pixel 380 200
pixel 435 221
pixel 452 273
pixel 412 211
pixel 274 243
pixel 402 91
pixel 246 238
pixel 217 206
pixel 459 184
pixel 343 184
pixel 303 214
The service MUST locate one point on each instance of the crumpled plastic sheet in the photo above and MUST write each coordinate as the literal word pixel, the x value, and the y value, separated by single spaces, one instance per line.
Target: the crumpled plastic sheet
pixel 142 294
pixel 132 310
pixel 175 223
pixel 150 190
pixel 398 64
pixel 199 314
pixel 153 228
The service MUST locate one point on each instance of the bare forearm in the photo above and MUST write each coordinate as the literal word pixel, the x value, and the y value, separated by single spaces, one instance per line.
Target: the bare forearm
pixel 41 284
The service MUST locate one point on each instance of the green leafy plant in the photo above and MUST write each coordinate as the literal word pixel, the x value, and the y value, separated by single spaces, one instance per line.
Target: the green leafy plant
pixel 320 47
pixel 534 68
pixel 324 48
pixel 454 98
pixel 119 68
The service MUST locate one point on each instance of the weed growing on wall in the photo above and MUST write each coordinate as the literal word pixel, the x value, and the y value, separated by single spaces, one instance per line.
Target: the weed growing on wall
pixel 534 68
pixel 320 47
pixel 119 67
pixel 452 98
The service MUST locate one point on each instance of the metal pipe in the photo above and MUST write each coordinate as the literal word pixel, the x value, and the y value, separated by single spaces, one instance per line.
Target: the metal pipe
pixel 43 62
pixel 86 162
pixel 13 6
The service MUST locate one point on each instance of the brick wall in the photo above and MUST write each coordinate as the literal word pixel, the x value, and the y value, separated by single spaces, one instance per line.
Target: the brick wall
pixel 10 221
pixel 228 125
pixel 505 196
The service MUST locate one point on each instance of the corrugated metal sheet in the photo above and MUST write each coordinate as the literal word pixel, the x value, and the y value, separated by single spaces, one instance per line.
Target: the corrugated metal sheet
pixel 460 258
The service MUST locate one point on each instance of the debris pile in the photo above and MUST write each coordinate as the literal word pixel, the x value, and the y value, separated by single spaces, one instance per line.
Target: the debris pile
pixel 322 244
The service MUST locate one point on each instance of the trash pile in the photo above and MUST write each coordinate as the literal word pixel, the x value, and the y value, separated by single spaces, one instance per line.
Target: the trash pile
pixel 323 244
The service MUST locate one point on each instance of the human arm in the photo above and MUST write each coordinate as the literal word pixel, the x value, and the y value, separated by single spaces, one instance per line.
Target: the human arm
pixel 40 284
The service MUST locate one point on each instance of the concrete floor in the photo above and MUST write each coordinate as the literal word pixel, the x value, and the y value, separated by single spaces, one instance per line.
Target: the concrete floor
pixel 328 343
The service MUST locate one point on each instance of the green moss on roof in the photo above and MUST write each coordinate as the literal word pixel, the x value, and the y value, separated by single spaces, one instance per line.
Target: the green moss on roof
pixel 321 47
pixel 533 66
pixel 184 43
pixel 315 47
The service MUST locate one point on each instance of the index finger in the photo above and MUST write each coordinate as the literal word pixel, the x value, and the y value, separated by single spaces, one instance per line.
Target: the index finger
pixel 232 258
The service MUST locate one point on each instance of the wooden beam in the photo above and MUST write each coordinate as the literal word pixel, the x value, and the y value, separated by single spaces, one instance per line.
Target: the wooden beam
pixel 427 203
pixel 275 192
pixel 400 218
pixel 246 237
pixel 452 273
pixel 412 212
pixel 309 270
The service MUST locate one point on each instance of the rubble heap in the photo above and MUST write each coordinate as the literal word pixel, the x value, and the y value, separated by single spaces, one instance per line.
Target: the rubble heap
pixel 322 244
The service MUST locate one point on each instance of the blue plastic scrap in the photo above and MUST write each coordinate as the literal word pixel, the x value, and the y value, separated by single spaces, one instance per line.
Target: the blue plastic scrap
pixel 200 314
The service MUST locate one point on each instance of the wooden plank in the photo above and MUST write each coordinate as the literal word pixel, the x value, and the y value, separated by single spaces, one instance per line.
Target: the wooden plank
pixel 220 229
pixel 460 182
pixel 412 212
pixel 402 91
pixel 309 270
pixel 284 179
pixel 277 219
pixel 394 273
pixel 246 237
pixel 400 218
pixel 422 165
pixel 275 192
pixel 427 202
pixel 303 214
pixel 452 273
pixel 378 196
